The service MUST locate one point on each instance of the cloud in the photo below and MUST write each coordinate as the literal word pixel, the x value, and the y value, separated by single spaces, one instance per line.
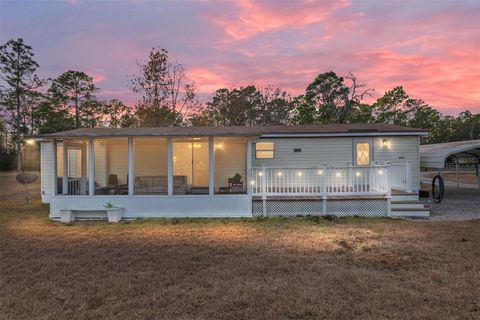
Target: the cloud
pixel 97 78
pixel 432 48
pixel 207 80
pixel 250 18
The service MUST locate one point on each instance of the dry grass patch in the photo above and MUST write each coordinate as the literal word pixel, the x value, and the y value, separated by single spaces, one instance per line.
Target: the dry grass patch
pixel 244 269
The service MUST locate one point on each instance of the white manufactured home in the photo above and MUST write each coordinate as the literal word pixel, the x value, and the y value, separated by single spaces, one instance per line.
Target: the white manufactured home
pixel 351 169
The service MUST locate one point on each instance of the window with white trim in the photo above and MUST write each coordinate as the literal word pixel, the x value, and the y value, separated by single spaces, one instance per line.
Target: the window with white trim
pixel 264 150
pixel 362 153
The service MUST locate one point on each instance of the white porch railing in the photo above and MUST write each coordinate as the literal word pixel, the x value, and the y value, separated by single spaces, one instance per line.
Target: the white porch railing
pixel 400 176
pixel 326 180
pixel 74 186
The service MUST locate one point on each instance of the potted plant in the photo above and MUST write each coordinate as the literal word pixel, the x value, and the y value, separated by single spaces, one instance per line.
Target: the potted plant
pixel 114 213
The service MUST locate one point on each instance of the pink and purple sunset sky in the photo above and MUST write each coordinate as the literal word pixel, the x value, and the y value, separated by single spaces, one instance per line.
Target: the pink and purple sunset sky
pixel 431 47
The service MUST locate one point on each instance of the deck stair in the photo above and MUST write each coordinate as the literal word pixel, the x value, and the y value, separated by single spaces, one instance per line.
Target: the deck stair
pixel 406 204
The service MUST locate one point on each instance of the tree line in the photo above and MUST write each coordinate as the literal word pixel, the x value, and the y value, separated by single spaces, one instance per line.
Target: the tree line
pixel 167 97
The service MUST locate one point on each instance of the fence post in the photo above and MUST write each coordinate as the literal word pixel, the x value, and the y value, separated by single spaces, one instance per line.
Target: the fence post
pixel 264 190
pixel 409 177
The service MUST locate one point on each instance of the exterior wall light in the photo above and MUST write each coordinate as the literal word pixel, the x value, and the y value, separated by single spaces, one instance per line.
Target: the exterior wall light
pixel 338 174
pixel 300 174
pixel 358 174
pixel 252 182
pixel 380 172
pixel 260 174
pixel 385 143
pixel 30 141
pixel 320 172
pixel 279 174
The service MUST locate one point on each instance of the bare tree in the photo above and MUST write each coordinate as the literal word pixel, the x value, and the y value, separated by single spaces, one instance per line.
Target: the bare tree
pixel 167 96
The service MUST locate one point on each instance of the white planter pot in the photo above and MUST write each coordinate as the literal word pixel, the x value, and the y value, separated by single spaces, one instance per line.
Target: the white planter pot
pixel 114 214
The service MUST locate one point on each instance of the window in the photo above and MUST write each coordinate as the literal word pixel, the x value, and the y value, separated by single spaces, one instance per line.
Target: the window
pixel 264 150
pixel 362 153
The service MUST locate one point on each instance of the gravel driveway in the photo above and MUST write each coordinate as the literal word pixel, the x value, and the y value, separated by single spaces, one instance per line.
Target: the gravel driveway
pixel 458 204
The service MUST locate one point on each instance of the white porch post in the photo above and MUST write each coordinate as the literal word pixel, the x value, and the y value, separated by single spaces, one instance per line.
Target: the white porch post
pixel 130 166
pixel 211 167
pixel 169 166
pixel 91 168
pixel 249 166
pixel 324 188
pixel 389 189
pixel 264 190
pixel 83 185
pixel 65 168
pixel 54 167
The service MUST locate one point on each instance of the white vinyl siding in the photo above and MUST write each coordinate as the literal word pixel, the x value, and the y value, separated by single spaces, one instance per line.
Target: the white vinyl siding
pixel 314 152
pixel 339 152
pixel 150 157
pixel 117 159
pixel 46 171
pixel 400 150
pixel 100 158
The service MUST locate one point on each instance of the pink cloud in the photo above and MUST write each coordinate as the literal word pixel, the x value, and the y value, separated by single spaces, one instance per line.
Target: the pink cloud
pixel 253 17
pixel 97 78
pixel 207 80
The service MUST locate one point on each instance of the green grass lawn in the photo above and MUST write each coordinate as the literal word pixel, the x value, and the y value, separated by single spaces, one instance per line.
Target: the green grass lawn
pixel 236 269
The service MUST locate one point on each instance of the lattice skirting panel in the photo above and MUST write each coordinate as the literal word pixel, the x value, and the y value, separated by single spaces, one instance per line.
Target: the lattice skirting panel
pixel 344 207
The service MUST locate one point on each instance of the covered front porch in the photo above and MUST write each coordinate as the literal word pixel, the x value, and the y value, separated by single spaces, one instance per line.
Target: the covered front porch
pixel 150 166
pixel 212 177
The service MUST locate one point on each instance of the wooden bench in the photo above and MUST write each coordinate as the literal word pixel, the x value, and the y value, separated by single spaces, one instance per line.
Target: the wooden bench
pixel 69 215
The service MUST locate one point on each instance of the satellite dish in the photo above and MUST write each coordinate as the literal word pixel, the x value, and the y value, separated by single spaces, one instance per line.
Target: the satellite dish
pixel 26 178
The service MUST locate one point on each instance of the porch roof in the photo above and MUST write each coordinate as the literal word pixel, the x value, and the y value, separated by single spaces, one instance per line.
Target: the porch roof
pixel 260 131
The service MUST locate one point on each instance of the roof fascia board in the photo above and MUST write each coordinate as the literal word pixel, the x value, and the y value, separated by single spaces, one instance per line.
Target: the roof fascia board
pixel 341 134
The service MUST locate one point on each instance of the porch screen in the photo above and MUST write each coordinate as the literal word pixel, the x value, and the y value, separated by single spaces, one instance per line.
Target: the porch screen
pixel 362 151
pixel 150 166
pixel 74 179
pixel 190 166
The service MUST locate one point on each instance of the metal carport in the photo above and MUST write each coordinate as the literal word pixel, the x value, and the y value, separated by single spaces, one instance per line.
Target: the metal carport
pixel 434 156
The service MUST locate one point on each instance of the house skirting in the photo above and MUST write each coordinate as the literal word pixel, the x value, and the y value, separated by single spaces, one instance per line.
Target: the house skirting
pixel 180 206
pixel 219 206
pixel 363 207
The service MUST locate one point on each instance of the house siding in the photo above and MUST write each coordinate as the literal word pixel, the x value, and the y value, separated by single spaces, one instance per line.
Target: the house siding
pixel 100 158
pixel 117 159
pixel 339 152
pixel 150 157
pixel 46 171
pixel 400 150
pixel 315 152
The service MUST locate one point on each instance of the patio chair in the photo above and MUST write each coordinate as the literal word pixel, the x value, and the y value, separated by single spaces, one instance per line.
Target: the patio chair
pixel 235 185
pixel 112 183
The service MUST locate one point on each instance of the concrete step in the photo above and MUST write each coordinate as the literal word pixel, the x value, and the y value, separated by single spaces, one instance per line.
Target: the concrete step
pixel 404 197
pixel 407 205
pixel 410 212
